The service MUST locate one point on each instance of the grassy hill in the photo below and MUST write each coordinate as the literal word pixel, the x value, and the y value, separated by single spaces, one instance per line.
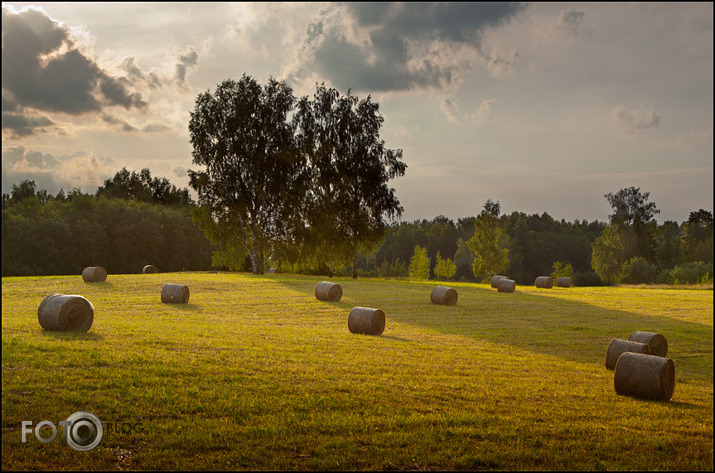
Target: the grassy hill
pixel 256 373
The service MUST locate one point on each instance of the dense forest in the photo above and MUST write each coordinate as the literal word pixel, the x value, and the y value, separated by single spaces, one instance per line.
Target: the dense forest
pixel 121 230
pixel 134 220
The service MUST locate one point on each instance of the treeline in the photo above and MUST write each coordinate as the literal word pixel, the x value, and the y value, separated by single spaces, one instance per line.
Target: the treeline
pixel 130 222
pixel 535 242
pixel 134 219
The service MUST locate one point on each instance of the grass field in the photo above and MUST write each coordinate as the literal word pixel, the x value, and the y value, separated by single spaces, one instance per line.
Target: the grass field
pixel 256 373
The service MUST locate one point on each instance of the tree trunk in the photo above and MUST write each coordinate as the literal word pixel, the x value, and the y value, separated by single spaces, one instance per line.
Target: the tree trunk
pixel 355 259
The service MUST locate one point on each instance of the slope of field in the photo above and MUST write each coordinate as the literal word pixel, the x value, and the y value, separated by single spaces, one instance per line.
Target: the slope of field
pixel 256 373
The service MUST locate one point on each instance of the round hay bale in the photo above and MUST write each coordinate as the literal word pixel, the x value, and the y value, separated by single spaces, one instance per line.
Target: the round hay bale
pixel 618 347
pixel 94 274
pixel 328 291
pixel 506 285
pixel 443 295
pixel 365 320
pixel 149 269
pixel 175 294
pixel 544 282
pixel 644 376
pixel 495 281
pixel 563 282
pixel 656 342
pixel 59 312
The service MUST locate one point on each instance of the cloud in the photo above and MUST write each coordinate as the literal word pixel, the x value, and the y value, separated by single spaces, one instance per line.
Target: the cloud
pixel 400 46
pixel 187 60
pixel 52 173
pixel 571 22
pixel 635 119
pixel 44 72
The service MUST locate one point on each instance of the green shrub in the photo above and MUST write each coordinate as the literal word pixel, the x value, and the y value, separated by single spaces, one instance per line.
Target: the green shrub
pixel 637 271
pixel 692 273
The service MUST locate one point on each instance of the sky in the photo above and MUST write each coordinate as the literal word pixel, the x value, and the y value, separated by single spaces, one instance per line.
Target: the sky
pixel 543 107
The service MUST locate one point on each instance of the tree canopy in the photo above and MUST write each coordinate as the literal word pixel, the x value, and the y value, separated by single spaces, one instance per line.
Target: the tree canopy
pixel 252 184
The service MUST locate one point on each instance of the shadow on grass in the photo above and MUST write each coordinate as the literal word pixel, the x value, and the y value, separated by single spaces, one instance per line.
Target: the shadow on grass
pixel 572 330
pixel 184 307
pixel 90 336
pixel 101 285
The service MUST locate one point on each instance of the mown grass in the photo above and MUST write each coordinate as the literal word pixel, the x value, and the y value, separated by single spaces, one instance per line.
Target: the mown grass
pixel 255 373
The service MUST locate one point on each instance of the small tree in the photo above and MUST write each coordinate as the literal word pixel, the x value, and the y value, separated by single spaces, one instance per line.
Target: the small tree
pixel 489 258
pixel 562 270
pixel 419 264
pixel 444 269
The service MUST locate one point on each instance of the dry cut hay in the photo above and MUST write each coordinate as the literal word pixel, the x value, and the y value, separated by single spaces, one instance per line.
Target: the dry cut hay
pixel 495 281
pixel 59 312
pixel 618 347
pixel 443 295
pixel 94 274
pixel 656 342
pixel 366 320
pixel 328 291
pixel 149 269
pixel 175 294
pixel 506 285
pixel 544 282
pixel 563 282
pixel 644 376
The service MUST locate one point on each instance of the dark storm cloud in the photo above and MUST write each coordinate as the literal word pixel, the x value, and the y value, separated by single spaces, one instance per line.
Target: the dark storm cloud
pixel 404 42
pixel 43 70
pixel 19 125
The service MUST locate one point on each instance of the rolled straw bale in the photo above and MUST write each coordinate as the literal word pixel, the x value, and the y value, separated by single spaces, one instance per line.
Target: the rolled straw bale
pixel 59 312
pixel 644 376
pixel 617 347
pixel 365 320
pixel 656 342
pixel 175 294
pixel 495 281
pixel 94 274
pixel 149 269
pixel 563 282
pixel 328 291
pixel 544 282
pixel 443 295
pixel 507 285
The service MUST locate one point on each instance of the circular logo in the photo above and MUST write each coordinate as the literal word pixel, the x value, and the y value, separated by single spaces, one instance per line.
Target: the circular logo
pixel 85 431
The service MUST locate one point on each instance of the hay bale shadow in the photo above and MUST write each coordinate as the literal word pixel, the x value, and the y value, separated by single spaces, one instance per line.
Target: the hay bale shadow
pixel 101 285
pixel 86 336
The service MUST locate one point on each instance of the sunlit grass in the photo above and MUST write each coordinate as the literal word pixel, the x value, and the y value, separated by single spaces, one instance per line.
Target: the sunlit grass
pixel 256 373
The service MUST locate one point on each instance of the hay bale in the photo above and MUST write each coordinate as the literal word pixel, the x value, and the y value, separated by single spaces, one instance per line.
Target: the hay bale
pixel 506 285
pixel 272 270
pixel 94 274
pixel 495 281
pixel 328 291
pixel 563 282
pixel 644 376
pixel 618 347
pixel 175 294
pixel 365 320
pixel 656 342
pixel 149 269
pixel 544 282
pixel 59 312
pixel 443 295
